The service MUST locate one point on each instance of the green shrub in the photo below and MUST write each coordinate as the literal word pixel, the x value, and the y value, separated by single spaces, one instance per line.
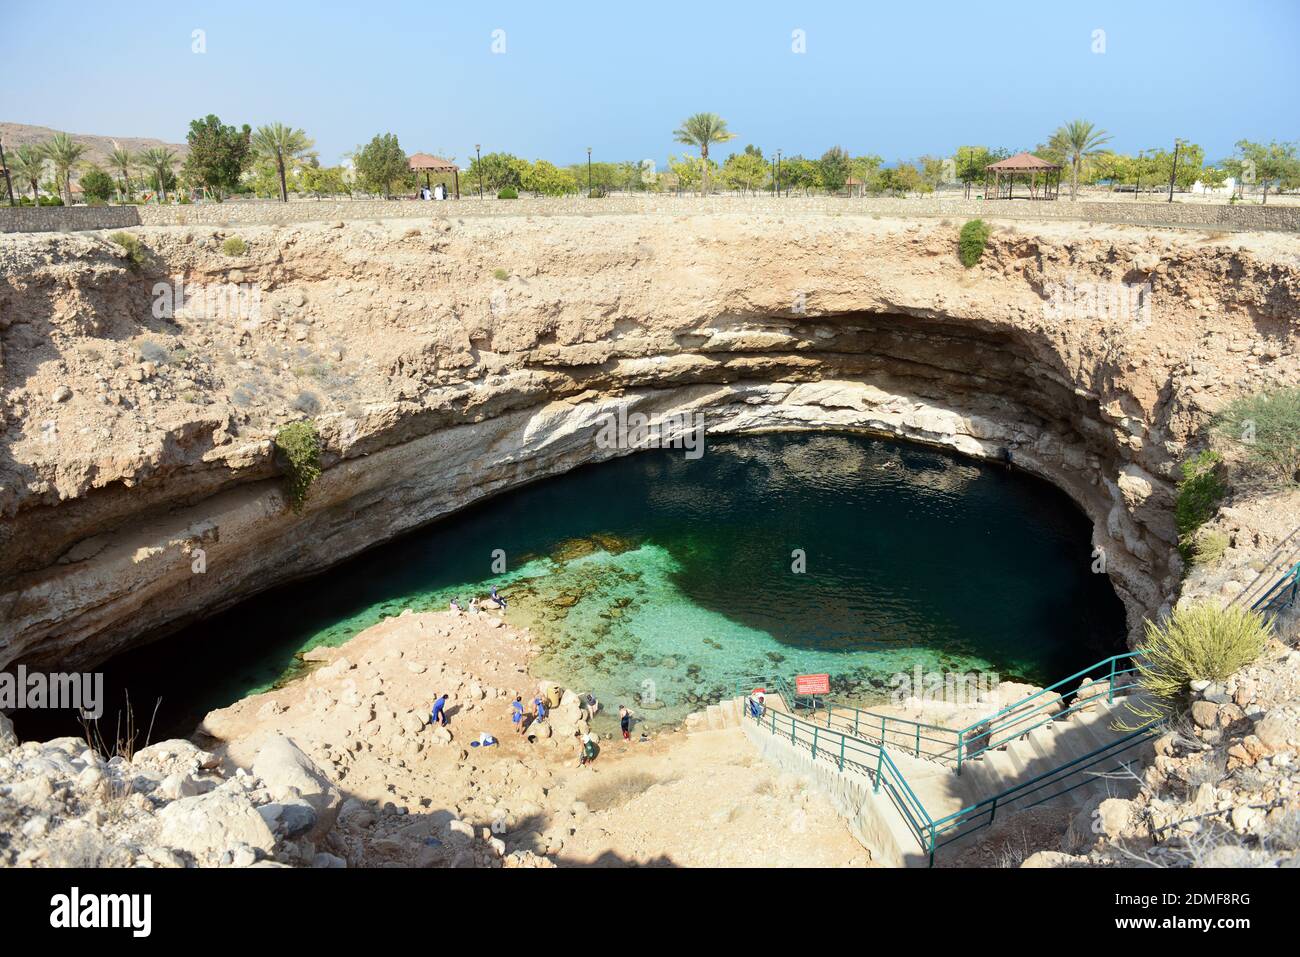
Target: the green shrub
pixel 97 186
pixel 132 248
pixel 970 245
pixel 501 274
pixel 234 246
pixel 508 192
pixel 298 445
pixel 597 192
pixel 1266 427
pixel 1201 642
pixel 1198 498
pixel 1208 547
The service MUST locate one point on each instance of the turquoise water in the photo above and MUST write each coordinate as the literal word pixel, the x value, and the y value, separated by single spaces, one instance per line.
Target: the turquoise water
pixel 654 580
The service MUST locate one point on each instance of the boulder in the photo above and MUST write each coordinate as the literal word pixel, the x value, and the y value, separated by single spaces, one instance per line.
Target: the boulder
pixel 282 765
pixel 208 825
pixel 7 737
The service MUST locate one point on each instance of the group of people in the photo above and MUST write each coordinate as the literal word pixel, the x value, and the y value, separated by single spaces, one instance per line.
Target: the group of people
pixel 439 191
pixel 496 601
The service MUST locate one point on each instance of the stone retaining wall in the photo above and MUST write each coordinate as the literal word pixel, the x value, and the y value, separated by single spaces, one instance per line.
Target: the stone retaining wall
pixel 239 213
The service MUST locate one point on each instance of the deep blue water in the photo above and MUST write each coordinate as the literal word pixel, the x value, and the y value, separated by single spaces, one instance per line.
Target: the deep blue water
pixel 657 574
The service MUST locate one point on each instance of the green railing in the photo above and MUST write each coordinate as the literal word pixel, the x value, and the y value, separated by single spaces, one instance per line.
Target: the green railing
pixel 1037 790
pixel 1050 704
pixel 922 740
pixel 1282 594
pixel 853 754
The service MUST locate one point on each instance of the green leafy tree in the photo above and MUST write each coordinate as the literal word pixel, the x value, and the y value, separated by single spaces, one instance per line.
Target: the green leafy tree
pixel 324 181
pixel 499 171
pixel 1273 164
pixel 798 172
pixel 833 169
pixel 747 171
pixel 97 186
pixel 688 171
pixel 218 155
pixel 27 164
pixel 703 130
pixel 283 147
pixel 159 163
pixel 380 164
pixel 547 179
pixel 1076 142
pixel 64 153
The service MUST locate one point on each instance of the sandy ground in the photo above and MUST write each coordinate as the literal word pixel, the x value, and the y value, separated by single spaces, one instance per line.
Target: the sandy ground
pixel 674 799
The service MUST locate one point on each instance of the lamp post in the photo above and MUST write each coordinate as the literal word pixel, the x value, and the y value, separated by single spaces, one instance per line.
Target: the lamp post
pixel 778 172
pixel 1137 185
pixel 588 172
pixel 478 162
pixel 1173 168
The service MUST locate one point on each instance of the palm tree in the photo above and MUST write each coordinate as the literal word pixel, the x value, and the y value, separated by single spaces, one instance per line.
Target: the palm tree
pixel 123 161
pixel 28 164
pixel 159 161
pixel 1076 141
pixel 701 130
pixel 65 153
pixel 281 145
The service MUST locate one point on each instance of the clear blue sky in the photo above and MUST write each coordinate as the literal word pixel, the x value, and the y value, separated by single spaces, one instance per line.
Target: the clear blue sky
pixel 897 79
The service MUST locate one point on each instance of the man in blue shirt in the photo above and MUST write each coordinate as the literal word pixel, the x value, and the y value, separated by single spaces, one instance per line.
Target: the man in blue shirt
pixel 437 715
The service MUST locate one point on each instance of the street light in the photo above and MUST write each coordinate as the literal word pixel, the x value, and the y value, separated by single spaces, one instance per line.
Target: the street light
pixel 1173 168
pixel 479 163
pixel 588 171
pixel 9 185
pixel 1137 185
pixel 778 172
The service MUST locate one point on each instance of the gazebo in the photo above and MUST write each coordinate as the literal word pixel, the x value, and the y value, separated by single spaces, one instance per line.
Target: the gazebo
pixel 434 164
pixel 1042 177
pixel 854 186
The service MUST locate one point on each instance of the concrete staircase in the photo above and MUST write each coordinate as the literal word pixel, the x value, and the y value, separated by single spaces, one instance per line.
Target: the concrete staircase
pixel 725 714
pixel 1053 745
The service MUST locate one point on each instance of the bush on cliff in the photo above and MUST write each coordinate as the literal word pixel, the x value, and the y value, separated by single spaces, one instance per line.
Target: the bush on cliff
pixel 132 248
pixel 234 246
pixel 1200 642
pixel 1198 498
pixel 970 245
pixel 298 447
pixel 1266 429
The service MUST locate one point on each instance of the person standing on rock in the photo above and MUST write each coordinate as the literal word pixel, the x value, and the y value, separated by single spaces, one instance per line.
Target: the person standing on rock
pixel 625 722
pixel 588 749
pixel 438 714
pixel 517 714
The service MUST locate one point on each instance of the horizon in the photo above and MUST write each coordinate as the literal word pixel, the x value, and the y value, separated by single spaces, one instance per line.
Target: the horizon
pixel 553 87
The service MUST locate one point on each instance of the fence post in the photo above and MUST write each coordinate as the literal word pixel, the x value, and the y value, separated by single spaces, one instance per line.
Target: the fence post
pixel 855 722
pixel 880 757
pixel 918 740
pixel 961 745
pixel 814 743
pixel 993 810
pixel 841 752
pixel 1110 692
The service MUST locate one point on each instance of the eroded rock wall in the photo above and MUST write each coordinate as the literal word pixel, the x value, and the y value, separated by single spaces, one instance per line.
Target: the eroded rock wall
pixel 447 361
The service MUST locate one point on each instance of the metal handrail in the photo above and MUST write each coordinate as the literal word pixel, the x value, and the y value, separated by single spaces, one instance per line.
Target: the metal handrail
pixel 1268 599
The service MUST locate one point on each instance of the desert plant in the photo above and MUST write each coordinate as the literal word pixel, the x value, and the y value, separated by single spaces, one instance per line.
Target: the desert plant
pixel 132 248
pixel 1199 642
pixel 508 192
pixel 299 447
pixel 501 274
pixel 1266 426
pixel 1197 498
pixel 970 245
pixel 1208 547
pixel 234 246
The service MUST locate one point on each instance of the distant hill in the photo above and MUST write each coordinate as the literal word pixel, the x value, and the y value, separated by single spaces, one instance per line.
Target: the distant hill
pixel 17 134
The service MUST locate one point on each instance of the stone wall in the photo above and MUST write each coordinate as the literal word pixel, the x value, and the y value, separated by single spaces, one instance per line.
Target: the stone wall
pixel 258 213
pixel 64 219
